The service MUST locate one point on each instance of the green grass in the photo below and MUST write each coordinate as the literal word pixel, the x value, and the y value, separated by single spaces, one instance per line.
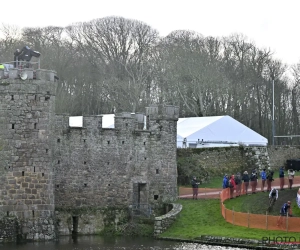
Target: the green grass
pixel 258 203
pixel 203 217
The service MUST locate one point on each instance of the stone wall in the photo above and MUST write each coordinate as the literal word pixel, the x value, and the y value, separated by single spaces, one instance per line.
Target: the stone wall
pixel 98 167
pixel 280 154
pixel 26 175
pixel 8 229
pixel 162 223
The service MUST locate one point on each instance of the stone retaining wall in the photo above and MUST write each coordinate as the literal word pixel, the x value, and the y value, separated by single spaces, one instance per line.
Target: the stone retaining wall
pixel 8 229
pixel 162 223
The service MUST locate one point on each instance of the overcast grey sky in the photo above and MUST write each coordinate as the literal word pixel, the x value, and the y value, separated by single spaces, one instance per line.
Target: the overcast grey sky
pixel 272 24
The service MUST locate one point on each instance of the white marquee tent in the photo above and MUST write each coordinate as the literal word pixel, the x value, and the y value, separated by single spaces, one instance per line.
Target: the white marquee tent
pixel 215 131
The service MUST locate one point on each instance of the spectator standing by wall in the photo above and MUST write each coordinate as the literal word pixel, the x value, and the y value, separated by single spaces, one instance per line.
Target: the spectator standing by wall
pixel 263 176
pixel 281 178
pixel 270 173
pixel 225 181
pixel 291 174
pixel 195 186
pixel 246 179
pixel 253 179
pixel 238 183
pixel 232 186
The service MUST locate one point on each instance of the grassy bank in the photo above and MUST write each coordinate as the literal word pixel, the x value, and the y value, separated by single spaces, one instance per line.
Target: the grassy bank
pixel 203 217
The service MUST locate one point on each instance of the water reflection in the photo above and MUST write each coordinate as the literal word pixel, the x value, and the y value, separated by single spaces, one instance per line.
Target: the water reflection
pixel 107 243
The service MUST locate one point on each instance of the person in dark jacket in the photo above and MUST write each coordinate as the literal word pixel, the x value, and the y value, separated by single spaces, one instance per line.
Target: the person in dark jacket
pixel 270 173
pixel 253 179
pixel 263 176
pixel 195 186
pixel 238 183
pixel 225 181
pixel 246 179
pixel 281 177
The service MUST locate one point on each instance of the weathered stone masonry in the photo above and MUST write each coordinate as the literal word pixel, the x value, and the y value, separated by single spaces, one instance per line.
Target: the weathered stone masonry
pixel 55 178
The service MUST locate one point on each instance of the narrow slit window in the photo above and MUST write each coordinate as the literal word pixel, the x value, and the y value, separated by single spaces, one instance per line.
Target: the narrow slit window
pixel 145 158
pixel 43 174
pixel 33 169
pixel 108 163
pixel 13 126
pixel 123 142
pixel 35 126
pixel 84 162
pixel 46 150
pixel 58 140
pixel 144 143
pixel 58 162
pixel 32 213
pixel 108 142
pixel 157 171
pixel 84 140
pixel 12 97
pixel 23 173
pixel 7 213
pixel 85 185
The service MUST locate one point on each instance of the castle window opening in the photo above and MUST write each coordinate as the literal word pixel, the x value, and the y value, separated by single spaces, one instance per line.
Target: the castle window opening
pixel 58 162
pixel 12 97
pixel 85 184
pixel 35 126
pixel 43 174
pixel 47 98
pixel 13 126
pixel 155 197
pixel 108 184
pixel 108 163
pixel 145 158
pixel 84 162
pixel 126 124
pixel 46 150
pixel 7 213
pixel 57 186
pixel 84 140
pixel 144 143
pixel 157 171
pixel 108 142
pixel 35 97
pixel 48 92
pixel 58 140
pixel 23 173
pixel 123 142
pixel 33 169
pixel 32 213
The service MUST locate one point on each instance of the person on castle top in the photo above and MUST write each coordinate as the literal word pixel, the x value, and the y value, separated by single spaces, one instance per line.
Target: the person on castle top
pixel 291 174
pixel 195 186
pixel 246 179
pixel 253 179
pixel 270 173
pixel 281 177
pixel 263 176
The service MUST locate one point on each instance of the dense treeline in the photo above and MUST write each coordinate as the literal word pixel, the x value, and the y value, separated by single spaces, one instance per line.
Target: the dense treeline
pixel 114 64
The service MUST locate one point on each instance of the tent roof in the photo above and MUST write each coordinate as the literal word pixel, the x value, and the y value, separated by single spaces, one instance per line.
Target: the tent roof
pixel 217 129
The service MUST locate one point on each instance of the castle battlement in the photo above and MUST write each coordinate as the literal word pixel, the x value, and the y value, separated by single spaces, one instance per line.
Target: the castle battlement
pixel 50 166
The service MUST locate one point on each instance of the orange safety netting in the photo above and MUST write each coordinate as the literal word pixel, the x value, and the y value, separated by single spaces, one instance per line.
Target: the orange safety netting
pixel 267 222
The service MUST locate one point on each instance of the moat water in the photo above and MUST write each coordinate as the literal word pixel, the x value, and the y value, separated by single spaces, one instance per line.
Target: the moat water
pixel 106 243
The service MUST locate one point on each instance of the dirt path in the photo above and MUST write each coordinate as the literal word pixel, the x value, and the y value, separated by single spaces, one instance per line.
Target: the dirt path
pixel 187 193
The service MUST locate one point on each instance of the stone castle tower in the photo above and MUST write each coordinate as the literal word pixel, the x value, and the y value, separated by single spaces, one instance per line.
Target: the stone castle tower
pixel 53 175
pixel 26 182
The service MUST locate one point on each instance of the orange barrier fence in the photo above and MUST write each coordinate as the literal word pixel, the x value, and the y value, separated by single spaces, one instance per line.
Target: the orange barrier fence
pixel 268 222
